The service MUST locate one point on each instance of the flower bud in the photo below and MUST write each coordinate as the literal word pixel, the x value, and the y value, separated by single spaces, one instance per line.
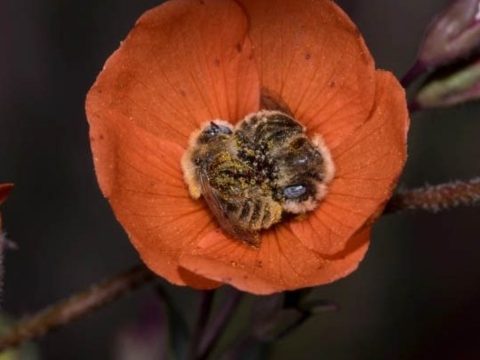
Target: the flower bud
pixel 146 338
pixel 455 87
pixel 453 34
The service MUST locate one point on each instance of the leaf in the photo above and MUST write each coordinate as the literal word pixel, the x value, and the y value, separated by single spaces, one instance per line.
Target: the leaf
pixel 146 338
pixel 271 320
pixel 318 306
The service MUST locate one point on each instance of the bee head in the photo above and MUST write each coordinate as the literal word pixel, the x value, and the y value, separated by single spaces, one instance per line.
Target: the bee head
pixel 214 130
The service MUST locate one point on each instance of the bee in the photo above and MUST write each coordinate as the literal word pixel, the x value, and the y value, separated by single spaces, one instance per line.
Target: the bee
pixel 254 174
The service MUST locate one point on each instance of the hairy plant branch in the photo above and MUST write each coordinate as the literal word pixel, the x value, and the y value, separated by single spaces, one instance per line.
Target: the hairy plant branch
pixel 76 306
pixel 437 198
pixel 428 198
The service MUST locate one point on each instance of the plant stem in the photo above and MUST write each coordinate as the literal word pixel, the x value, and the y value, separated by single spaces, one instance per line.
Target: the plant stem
pixel 76 306
pixel 428 198
pixel 206 305
pixel 218 325
pixel 417 70
pixel 437 198
pixel 414 107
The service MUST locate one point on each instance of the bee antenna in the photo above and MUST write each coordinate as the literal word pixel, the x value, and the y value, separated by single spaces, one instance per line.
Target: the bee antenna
pixel 213 125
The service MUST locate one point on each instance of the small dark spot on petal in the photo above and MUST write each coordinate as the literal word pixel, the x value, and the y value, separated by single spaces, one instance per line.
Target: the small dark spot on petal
pixel 308 56
pixel 183 93
pixel 217 62
pixel 332 84
pixel 101 137
pixel 239 47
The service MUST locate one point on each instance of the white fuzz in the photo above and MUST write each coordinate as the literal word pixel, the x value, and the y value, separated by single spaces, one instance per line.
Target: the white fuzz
pixel 319 143
pixel 295 207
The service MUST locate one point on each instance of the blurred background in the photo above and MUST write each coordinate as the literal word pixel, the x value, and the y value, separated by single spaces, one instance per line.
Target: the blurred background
pixel 415 296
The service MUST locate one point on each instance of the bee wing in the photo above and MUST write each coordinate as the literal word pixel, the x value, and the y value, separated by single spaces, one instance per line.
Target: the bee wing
pixel 269 100
pixel 219 209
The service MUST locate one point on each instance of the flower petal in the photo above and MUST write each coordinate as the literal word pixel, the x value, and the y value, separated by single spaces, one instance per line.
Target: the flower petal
pixel 184 63
pixel 368 165
pixel 141 177
pixel 281 263
pixel 313 57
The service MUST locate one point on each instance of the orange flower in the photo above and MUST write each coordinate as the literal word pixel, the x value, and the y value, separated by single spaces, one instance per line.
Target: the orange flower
pixel 191 61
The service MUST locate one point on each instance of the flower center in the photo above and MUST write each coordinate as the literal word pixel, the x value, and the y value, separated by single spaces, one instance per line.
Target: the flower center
pixel 254 174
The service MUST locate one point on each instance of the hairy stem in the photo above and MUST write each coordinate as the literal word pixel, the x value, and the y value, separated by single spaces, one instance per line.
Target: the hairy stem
pixel 428 198
pixel 437 198
pixel 78 305
pixel 203 315
pixel 218 324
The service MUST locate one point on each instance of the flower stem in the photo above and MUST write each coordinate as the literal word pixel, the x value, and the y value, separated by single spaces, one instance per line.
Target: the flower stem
pixel 428 198
pixel 219 323
pixel 64 312
pixel 417 70
pixel 414 107
pixel 437 198
pixel 204 312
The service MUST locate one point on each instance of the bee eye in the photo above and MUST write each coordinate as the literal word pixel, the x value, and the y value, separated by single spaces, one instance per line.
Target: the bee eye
pixel 300 160
pixel 294 191
pixel 215 129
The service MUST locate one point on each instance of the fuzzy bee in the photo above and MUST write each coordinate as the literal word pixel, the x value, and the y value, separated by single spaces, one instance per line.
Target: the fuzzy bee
pixel 254 174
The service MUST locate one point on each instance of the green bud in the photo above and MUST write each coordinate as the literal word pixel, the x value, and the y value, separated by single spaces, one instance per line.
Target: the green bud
pixel 455 87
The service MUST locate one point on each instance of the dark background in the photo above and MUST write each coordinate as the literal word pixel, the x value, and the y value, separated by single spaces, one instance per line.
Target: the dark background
pixel 417 294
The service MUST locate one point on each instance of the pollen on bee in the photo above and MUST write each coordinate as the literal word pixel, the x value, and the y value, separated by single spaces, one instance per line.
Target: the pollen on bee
pixel 252 174
pixel 189 161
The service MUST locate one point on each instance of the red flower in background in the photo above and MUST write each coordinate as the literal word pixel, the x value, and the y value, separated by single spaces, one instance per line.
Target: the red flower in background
pixel 5 190
pixel 190 61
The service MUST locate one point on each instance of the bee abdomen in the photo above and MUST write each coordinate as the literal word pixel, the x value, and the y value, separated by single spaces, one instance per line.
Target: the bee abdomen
pixel 272 214
pixel 256 214
pixel 246 212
